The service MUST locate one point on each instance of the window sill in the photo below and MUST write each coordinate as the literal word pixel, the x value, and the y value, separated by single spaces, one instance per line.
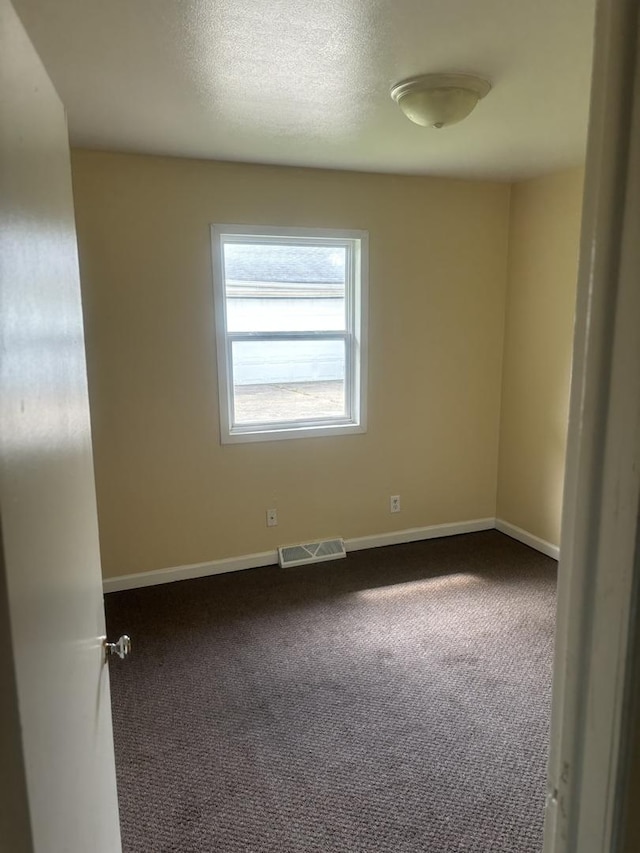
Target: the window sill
pixel 266 434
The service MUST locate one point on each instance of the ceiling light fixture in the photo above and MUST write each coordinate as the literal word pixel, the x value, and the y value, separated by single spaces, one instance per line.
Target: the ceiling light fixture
pixel 438 100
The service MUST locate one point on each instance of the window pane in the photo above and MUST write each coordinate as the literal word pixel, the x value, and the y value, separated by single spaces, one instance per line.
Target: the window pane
pixel 275 381
pixel 273 287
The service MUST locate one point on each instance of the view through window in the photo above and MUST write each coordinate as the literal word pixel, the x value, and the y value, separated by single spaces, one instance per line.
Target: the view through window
pixel 289 324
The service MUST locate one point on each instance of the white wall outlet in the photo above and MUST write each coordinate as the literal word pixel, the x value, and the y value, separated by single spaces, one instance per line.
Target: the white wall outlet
pixel 272 518
pixel 394 503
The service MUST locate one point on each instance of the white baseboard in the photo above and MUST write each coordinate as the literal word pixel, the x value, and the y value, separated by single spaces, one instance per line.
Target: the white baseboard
pixel 195 570
pixel 415 534
pixel 269 558
pixel 528 538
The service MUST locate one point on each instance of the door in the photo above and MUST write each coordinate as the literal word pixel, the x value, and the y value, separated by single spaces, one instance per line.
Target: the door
pixel 56 693
pixel 599 572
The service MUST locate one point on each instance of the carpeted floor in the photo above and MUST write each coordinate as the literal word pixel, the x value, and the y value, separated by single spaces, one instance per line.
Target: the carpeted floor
pixel 393 702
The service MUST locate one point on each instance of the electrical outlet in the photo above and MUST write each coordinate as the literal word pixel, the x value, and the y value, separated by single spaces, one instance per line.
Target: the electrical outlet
pixel 394 502
pixel 272 518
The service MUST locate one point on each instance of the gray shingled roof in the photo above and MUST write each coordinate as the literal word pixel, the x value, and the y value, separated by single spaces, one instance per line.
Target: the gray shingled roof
pixel 304 264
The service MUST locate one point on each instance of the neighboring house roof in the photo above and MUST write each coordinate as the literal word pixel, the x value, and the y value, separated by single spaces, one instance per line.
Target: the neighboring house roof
pixel 282 264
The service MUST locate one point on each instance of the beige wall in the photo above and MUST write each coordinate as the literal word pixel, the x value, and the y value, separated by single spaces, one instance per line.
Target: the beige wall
pixel 542 276
pixel 168 492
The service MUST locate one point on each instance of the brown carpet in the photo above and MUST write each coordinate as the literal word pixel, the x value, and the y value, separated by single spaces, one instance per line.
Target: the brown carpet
pixel 393 702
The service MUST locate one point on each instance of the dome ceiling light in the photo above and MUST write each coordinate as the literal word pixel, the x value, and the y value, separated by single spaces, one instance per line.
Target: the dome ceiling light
pixel 438 100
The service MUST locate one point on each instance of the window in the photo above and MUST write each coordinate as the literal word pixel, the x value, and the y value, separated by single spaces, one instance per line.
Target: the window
pixel 290 323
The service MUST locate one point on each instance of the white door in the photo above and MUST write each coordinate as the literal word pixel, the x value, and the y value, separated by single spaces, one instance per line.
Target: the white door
pixel 50 567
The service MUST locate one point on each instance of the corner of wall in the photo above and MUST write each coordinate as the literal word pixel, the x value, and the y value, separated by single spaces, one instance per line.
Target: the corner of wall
pixel 541 271
pixel 505 310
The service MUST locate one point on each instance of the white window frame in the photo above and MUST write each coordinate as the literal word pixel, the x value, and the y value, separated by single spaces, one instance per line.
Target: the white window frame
pixel 356 244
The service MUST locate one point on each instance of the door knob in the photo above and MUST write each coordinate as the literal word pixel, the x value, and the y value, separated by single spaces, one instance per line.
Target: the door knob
pixel 122 648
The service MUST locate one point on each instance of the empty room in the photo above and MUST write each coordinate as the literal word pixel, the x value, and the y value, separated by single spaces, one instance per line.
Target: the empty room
pixel 328 261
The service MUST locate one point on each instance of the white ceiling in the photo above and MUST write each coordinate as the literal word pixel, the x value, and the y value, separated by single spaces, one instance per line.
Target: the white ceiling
pixel 306 82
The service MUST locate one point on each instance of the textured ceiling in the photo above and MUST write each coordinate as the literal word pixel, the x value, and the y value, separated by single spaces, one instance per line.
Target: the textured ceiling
pixel 306 82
